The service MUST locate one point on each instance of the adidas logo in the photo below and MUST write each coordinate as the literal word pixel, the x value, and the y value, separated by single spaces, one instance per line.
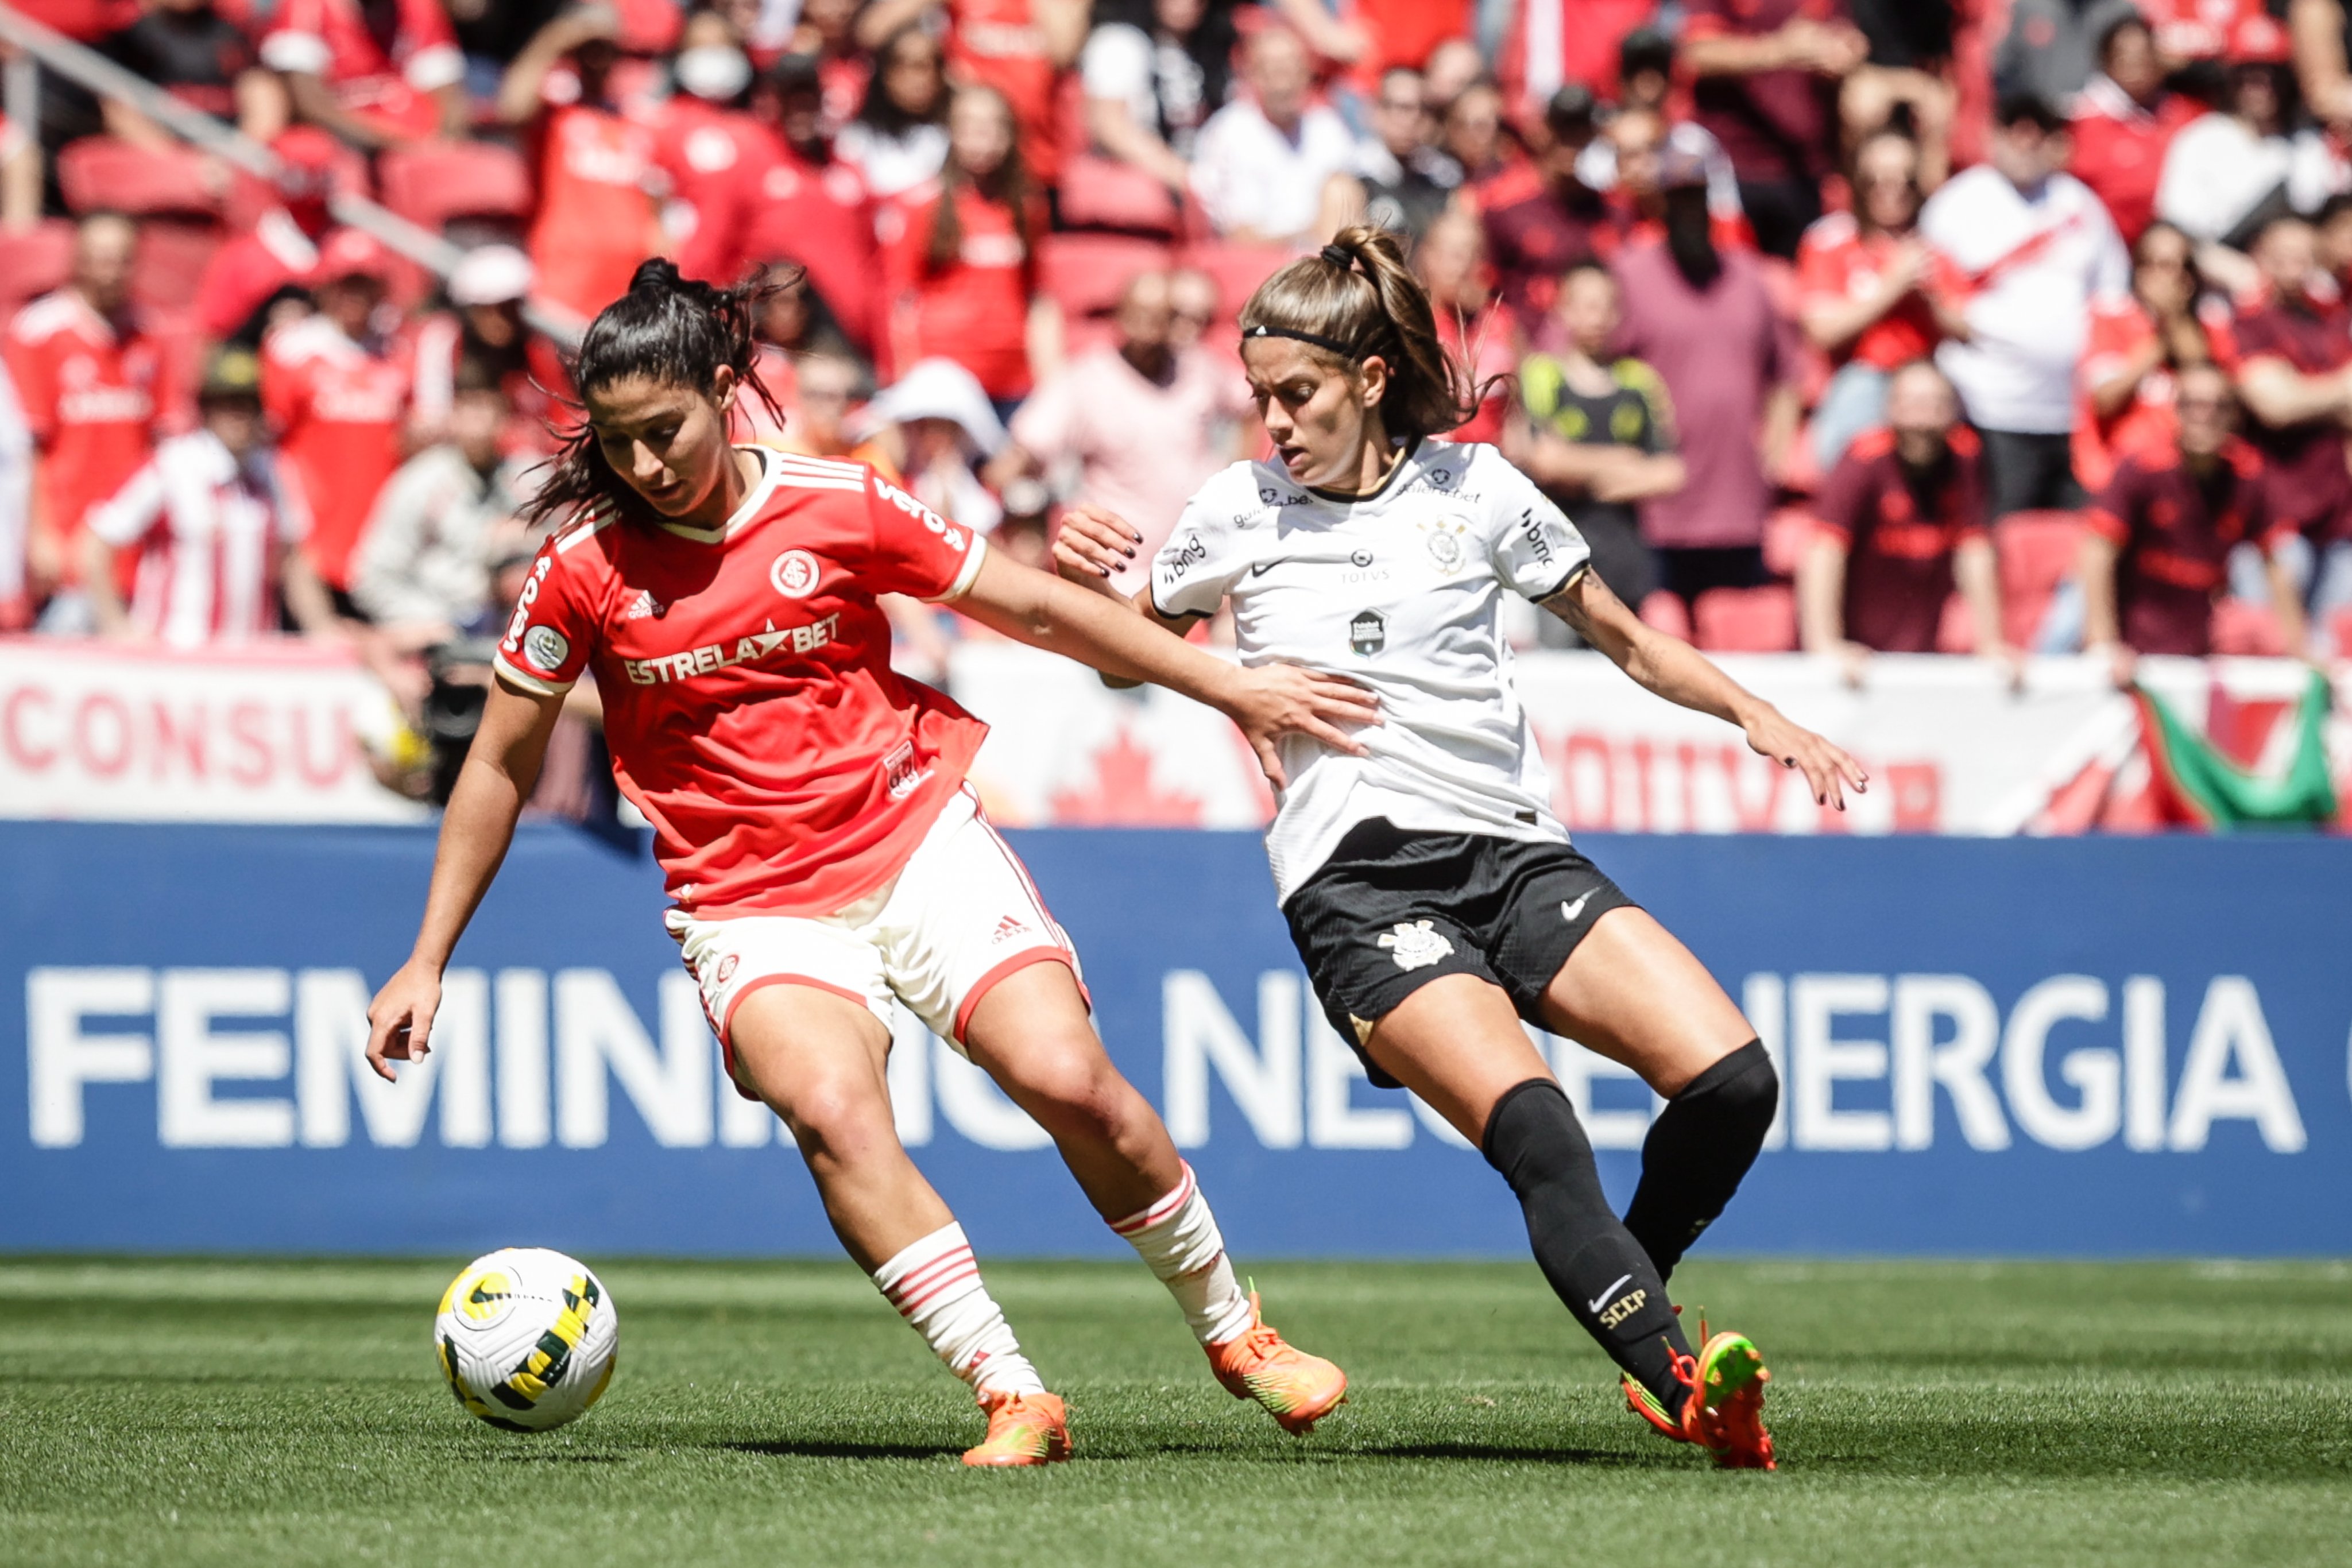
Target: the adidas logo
pixel 1006 928
pixel 645 605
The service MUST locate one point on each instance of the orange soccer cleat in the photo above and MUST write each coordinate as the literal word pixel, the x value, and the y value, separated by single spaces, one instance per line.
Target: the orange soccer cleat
pixel 1297 1389
pixel 1725 1412
pixel 1023 1429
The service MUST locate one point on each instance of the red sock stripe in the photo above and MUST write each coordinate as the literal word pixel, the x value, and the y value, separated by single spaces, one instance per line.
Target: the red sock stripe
pixel 938 1288
pixel 920 1277
pixel 1176 1200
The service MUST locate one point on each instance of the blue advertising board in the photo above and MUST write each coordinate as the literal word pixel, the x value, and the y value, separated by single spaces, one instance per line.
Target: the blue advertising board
pixel 2086 1047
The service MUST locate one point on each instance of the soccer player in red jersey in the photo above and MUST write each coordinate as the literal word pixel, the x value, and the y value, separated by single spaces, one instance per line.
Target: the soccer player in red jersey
pixel 825 853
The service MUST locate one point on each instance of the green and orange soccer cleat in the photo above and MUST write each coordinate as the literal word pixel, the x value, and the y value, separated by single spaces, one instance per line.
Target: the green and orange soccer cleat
pixel 1725 1412
pixel 1023 1429
pixel 1297 1389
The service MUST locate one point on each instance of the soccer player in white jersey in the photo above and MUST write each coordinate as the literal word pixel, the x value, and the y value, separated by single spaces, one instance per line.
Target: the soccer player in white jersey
pixel 1433 894
pixel 825 856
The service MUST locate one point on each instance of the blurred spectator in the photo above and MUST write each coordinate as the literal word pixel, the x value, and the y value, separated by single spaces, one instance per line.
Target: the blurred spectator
pixel 337 391
pixel 1622 165
pixel 2321 32
pixel 1400 32
pixel 712 151
pixel 1903 82
pixel 1143 425
pixel 1702 316
pixel 1262 162
pixel 2294 376
pixel 2229 172
pixel 2123 121
pixel 1766 81
pixel 815 209
pixel 2193 31
pixel 484 327
pixel 20 179
pixel 86 377
pixel 491 33
pixel 214 533
pixel 900 138
pixel 421 573
pixel 1400 181
pixel 1192 306
pixel 958 259
pixel 826 385
pixel 792 326
pixel 1867 292
pixel 1598 435
pixel 825 35
pixel 2033 250
pixel 2052 45
pixel 1153 82
pixel 2155 556
pixel 1553 43
pixel 1451 265
pixel 2136 350
pixel 1544 220
pixel 1449 71
pixel 272 263
pixel 1470 131
pixel 1020 47
pixel 16 505
pixel 375 72
pixel 1899 524
pixel 934 423
pixel 204 60
pixel 596 219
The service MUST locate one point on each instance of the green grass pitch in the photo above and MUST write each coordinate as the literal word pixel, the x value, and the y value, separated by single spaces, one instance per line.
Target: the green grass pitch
pixel 200 1412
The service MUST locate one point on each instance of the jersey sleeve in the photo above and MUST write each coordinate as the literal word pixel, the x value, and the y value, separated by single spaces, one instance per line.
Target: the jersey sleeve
pixel 554 628
pixel 1198 564
pixel 2114 509
pixel 1536 550
pixel 914 550
pixel 126 517
pixel 1838 509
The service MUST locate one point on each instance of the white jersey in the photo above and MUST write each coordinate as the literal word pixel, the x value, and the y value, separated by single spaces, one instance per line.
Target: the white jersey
pixel 1398 592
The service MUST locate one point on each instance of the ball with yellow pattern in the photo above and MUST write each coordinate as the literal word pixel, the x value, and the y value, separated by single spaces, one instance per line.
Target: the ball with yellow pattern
pixel 526 1338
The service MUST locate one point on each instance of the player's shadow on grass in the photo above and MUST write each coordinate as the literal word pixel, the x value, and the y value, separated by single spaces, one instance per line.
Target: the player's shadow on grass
pixel 834 1448
pixel 1527 1454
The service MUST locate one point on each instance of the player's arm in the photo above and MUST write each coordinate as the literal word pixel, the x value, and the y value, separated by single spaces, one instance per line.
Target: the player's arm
pixel 1095 545
pixel 496 779
pixel 1042 611
pixel 1682 674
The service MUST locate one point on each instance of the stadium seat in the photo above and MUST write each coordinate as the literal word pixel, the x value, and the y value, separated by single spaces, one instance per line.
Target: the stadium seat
pixel 2037 551
pixel 1787 532
pixel 98 173
pixel 171 260
pixel 1086 273
pixel 1098 194
pixel 1664 612
pixel 2245 627
pixel 1747 620
pixel 33 263
pixel 1238 270
pixel 434 182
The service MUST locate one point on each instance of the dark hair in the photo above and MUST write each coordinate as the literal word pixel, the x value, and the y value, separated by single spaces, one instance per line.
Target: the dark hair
pixel 668 330
pixel 1357 300
pixel 2014 107
pixel 475 374
pixel 1007 184
pixel 1571 112
pixel 877 109
pixel 1645 48
pixel 2116 29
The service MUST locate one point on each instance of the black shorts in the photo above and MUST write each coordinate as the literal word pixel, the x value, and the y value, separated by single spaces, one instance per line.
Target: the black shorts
pixel 1392 910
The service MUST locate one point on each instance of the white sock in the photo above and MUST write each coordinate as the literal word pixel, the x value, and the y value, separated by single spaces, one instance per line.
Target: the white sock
pixel 1178 1239
pixel 936 1286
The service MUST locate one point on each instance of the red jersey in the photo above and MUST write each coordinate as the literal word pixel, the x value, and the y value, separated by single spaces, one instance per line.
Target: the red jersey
pixel 1836 263
pixel 383 68
pixel 745 670
pixel 1000 43
pixel 715 159
pixel 88 396
pixel 2117 333
pixel 1900 528
pixel 823 219
pixel 975 309
pixel 596 219
pixel 2197 29
pixel 337 406
pixel 2119 150
pixel 245 272
pixel 2173 528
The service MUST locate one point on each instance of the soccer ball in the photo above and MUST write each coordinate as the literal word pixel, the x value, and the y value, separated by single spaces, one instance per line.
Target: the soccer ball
pixel 526 1338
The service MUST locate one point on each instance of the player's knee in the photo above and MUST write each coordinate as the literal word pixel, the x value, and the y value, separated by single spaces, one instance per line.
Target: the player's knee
pixel 1743 1087
pixel 838 1120
pixel 1076 1092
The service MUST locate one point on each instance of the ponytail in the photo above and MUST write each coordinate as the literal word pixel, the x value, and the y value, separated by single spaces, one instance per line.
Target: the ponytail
pixel 1358 299
pixel 668 330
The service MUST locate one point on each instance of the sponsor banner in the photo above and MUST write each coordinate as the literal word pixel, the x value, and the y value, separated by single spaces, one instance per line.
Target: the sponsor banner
pixel 1951 747
pixel 2093 1046
pixel 269 734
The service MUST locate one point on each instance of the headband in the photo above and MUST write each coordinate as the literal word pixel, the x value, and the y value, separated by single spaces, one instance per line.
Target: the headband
pixel 1345 351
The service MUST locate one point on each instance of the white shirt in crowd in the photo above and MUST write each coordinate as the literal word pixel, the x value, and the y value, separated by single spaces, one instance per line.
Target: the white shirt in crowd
pixel 213 530
pixel 1251 175
pixel 1162 86
pixel 2217 172
pixel 893 165
pixel 16 489
pixel 1399 592
pixel 426 556
pixel 2035 264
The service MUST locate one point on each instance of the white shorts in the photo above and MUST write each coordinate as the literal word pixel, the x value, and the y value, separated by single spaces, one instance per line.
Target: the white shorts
pixel 961 916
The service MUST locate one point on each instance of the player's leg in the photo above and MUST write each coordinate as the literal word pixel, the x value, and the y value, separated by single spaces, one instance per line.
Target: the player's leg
pixel 1029 1030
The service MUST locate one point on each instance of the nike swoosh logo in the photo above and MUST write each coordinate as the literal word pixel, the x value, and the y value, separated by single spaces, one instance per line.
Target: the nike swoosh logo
pixel 1568 911
pixel 1602 1300
pixel 1264 567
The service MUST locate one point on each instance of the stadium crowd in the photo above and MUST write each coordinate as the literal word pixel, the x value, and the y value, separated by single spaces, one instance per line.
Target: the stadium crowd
pixel 1978 326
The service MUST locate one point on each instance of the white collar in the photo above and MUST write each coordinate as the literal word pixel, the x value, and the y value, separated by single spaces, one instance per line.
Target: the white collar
pixel 754 499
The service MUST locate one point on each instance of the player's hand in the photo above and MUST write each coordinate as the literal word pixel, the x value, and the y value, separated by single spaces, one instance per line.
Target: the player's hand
pixel 400 1019
pixel 1827 769
pixel 1094 545
pixel 1276 700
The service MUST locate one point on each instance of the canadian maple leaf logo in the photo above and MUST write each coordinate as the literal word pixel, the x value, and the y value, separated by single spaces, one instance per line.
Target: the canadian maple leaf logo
pixel 1122 793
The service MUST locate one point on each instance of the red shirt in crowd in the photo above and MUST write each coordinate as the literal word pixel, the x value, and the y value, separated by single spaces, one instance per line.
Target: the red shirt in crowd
pixel 1900 527
pixel 246 272
pixel 2119 150
pixel 2117 333
pixel 2197 29
pixel 89 391
pixel 337 406
pixel 749 704
pixel 2309 488
pixel 714 159
pixel 1774 125
pixel 596 219
pixel 823 219
pixel 974 309
pixel 383 63
pixel 1483 345
pixel 1000 43
pixel 2172 529
pixel 85 21
pixel 1553 42
pixel 1837 262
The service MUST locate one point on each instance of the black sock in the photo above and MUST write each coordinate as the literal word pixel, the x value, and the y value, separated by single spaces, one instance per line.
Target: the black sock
pixel 1698 1148
pixel 1595 1266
